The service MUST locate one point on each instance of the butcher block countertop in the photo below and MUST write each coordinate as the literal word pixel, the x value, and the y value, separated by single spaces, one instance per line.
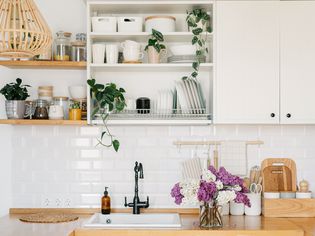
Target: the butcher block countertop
pixel 10 225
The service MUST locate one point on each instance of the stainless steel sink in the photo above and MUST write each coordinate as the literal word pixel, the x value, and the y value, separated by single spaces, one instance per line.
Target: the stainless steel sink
pixel 122 220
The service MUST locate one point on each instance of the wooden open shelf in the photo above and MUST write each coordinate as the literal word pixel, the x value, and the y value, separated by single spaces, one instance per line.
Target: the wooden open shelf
pixel 44 65
pixel 43 122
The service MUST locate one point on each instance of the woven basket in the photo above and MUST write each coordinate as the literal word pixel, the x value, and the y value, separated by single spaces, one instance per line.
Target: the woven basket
pixel 23 31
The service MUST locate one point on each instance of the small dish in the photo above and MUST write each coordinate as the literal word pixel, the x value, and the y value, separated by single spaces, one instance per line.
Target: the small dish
pixel 287 195
pixel 303 195
pixel 271 195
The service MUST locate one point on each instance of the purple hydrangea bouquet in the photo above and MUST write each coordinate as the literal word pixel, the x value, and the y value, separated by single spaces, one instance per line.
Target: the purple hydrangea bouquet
pixel 212 191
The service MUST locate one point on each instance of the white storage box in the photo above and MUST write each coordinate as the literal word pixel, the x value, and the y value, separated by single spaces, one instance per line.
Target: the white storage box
pixel 130 24
pixel 104 24
pixel 160 23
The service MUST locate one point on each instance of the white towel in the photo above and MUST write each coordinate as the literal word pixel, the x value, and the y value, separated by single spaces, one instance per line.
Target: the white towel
pixel 191 169
pixel 233 157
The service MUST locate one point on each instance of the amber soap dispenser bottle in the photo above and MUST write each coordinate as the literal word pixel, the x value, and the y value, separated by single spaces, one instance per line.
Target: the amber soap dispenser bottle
pixel 106 203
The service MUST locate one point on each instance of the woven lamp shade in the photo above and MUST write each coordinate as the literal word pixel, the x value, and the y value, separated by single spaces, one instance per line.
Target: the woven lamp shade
pixel 23 31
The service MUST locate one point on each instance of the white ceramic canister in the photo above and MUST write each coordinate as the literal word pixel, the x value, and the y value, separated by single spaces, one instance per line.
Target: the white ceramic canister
pixel 56 112
pixel 98 51
pixel 237 209
pixel 225 209
pixel 303 195
pixel 271 195
pixel 105 24
pixel 255 201
pixel 160 23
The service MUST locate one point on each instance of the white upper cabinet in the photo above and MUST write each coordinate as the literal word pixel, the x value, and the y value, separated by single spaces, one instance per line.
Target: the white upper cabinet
pixel 247 62
pixel 297 62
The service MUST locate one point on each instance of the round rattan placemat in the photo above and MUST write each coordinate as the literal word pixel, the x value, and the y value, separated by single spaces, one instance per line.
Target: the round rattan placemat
pixel 48 218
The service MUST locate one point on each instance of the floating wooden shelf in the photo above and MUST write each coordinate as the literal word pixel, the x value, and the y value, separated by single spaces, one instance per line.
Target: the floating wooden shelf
pixel 72 65
pixel 43 122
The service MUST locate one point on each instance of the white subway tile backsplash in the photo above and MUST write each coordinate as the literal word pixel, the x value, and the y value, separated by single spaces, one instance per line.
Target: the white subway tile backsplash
pixel 61 165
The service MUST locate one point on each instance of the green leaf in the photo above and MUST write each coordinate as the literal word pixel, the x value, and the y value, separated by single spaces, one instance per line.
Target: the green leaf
pixel 197 31
pixel 194 74
pixel 194 40
pixel 158 35
pixel 157 48
pixel 184 77
pixel 102 135
pixel 199 52
pixel 162 46
pixel 95 111
pixel 116 145
pixel 18 81
pixel 195 65
pixel 91 82
pixel 209 29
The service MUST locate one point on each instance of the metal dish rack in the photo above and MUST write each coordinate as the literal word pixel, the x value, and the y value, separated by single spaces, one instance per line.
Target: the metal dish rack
pixel 152 114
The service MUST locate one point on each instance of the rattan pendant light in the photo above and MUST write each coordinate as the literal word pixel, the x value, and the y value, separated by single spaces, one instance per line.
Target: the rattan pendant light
pixel 23 31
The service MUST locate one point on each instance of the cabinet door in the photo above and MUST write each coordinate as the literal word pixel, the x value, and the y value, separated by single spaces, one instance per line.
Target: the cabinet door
pixel 297 62
pixel 247 60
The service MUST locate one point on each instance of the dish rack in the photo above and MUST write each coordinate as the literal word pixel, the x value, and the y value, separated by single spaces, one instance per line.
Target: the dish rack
pixel 152 114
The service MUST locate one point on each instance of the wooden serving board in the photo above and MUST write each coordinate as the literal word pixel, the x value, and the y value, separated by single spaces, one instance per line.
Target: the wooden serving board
pixel 48 218
pixel 279 174
pixel 289 207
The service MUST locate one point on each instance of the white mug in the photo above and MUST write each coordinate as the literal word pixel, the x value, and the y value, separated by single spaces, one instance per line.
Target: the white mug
pixel 98 50
pixel 255 201
pixel 237 209
pixel 112 53
pixel 55 112
pixel 130 43
pixel 132 54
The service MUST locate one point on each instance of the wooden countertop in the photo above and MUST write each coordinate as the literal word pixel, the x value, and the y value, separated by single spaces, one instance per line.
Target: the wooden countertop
pixel 10 225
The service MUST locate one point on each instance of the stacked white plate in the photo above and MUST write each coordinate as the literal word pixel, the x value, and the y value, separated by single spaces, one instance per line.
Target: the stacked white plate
pixel 190 97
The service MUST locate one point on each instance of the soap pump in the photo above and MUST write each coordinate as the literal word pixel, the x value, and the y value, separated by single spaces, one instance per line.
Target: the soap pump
pixel 106 203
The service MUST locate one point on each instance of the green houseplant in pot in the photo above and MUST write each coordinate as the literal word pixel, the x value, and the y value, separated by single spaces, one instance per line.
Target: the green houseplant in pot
pixel 106 99
pixel 155 46
pixel 15 95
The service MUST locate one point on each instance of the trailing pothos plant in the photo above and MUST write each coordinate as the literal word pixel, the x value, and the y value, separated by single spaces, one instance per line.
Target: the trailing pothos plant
pixel 107 98
pixel 155 40
pixel 198 22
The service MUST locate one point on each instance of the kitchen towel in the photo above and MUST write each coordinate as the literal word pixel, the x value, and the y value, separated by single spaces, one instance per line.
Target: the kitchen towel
pixel 233 157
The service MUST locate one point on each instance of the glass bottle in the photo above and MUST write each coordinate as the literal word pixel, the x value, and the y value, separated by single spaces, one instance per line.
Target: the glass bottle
pixel 62 46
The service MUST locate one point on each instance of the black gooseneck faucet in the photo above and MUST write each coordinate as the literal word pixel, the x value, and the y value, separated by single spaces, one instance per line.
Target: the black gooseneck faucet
pixel 137 204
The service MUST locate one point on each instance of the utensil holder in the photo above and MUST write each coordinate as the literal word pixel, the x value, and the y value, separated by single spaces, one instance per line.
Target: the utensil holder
pixel 255 201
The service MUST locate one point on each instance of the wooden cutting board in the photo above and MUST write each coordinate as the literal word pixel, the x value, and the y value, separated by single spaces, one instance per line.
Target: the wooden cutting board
pixel 279 174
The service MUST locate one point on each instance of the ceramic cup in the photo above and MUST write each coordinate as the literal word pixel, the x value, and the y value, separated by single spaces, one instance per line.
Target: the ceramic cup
pixel 111 53
pixel 130 43
pixel 132 54
pixel 55 112
pixel 98 50
pixel 237 209
pixel 255 201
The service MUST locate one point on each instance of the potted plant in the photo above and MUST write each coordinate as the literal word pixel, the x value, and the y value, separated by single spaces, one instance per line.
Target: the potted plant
pixel 75 112
pixel 198 21
pixel 106 99
pixel 15 95
pixel 154 46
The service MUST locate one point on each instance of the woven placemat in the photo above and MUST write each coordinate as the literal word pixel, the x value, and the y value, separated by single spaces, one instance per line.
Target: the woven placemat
pixel 48 218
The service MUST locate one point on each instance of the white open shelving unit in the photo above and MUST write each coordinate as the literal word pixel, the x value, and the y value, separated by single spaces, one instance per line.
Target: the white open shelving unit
pixel 145 80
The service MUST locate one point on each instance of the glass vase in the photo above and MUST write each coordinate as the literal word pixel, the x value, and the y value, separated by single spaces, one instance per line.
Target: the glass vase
pixel 210 216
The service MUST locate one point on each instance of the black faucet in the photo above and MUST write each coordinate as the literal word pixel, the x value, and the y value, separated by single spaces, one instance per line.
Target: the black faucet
pixel 137 204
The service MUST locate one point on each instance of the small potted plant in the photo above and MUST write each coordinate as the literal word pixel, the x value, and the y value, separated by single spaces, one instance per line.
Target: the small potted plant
pixel 154 46
pixel 15 95
pixel 106 99
pixel 75 112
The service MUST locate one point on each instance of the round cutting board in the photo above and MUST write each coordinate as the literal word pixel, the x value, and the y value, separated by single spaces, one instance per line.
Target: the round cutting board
pixel 48 218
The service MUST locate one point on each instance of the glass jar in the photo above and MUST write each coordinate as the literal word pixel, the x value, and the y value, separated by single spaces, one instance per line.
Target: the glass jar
pixel 62 46
pixel 78 48
pixel 64 102
pixel 41 110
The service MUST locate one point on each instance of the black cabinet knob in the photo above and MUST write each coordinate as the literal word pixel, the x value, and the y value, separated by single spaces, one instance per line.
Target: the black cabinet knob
pixel 288 115
pixel 272 115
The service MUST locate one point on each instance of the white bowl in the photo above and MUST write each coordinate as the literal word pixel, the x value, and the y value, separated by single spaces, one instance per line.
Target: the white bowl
pixel 303 195
pixel 185 49
pixel 271 195
pixel 77 91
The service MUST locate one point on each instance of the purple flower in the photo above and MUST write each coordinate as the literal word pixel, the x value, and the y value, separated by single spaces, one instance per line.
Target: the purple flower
pixel 226 177
pixel 175 193
pixel 242 198
pixel 206 191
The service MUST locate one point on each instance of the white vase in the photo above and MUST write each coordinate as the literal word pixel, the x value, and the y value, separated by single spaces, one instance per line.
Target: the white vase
pixel 153 55
pixel 237 209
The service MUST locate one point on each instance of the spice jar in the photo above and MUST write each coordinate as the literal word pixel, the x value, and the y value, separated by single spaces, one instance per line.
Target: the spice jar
pixel 78 48
pixel 41 111
pixel 62 46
